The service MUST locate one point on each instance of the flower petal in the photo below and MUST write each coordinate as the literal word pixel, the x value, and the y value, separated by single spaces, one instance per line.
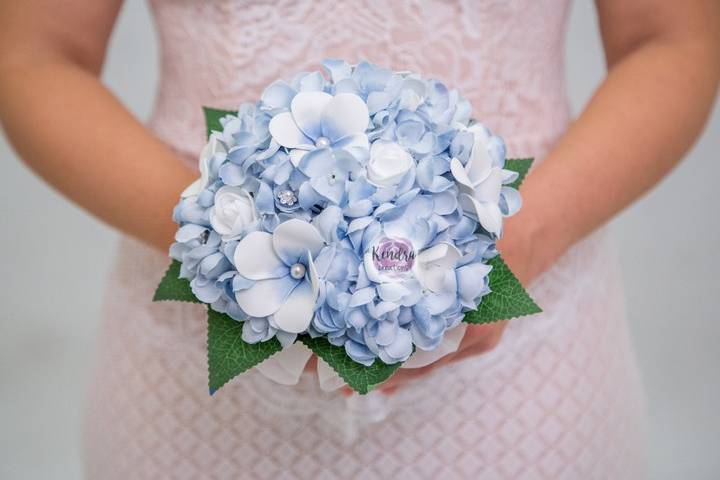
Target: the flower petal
pixel 278 95
pixel 296 313
pixel 480 162
pixel 488 214
pixel 293 239
pixel 307 109
pixel 489 189
pixel 266 296
pixel 296 155
pixel 284 130
pixel 460 175
pixel 510 201
pixel 347 114
pixel 359 140
pixel 399 350
pixel 255 257
pixel 471 282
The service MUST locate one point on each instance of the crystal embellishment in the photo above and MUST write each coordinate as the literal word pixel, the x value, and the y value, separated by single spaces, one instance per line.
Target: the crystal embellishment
pixel 287 198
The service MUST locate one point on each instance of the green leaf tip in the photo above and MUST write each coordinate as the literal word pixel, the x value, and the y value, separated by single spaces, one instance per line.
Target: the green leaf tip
pixel 360 378
pixel 521 166
pixel 172 287
pixel 212 119
pixel 228 354
pixel 507 299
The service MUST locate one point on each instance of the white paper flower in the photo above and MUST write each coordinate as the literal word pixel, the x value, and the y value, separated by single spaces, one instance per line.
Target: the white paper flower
pixel 435 267
pixel 281 265
pixel 388 164
pixel 233 212
pixel 320 120
pixel 213 147
pixel 480 184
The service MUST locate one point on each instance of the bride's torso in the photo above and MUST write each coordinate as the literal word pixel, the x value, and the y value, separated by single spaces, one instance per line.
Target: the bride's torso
pixel 505 56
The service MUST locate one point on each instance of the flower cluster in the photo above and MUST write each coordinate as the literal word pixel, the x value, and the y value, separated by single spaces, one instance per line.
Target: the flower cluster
pixel 362 207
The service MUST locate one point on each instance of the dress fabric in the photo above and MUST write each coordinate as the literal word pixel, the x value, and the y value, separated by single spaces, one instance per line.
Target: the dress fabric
pixel 559 398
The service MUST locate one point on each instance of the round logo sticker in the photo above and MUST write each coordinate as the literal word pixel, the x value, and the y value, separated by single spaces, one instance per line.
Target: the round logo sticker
pixel 393 257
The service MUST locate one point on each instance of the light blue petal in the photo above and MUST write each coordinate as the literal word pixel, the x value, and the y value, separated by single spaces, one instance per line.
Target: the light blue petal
pixel 362 296
pixel 205 289
pixel 359 353
pixel 510 201
pixel 278 95
pixel 337 69
pixel 189 232
pixel 472 281
pixel 386 332
pixel 359 208
pixel 331 189
pixel 399 350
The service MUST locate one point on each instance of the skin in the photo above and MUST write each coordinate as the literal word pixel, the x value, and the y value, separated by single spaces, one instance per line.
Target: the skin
pixel 663 70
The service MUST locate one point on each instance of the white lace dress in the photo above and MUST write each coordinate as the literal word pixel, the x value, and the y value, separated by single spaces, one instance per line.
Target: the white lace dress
pixel 559 398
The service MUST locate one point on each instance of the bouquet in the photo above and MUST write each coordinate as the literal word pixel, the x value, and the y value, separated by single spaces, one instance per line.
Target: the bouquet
pixel 355 215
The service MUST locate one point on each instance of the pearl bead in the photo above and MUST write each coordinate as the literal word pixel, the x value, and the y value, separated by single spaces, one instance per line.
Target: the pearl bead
pixel 297 271
pixel 322 142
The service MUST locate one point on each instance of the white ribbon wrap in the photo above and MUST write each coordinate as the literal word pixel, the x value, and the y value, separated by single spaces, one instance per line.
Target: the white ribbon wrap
pixel 286 366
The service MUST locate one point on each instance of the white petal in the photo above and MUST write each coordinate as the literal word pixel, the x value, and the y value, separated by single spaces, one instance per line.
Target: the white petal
pixel 434 263
pixel 296 155
pixel 212 147
pixel 488 214
pixel 307 109
pixel 346 114
pixel 255 257
pixel 266 297
pixel 314 278
pixel 489 189
pixel 294 238
pixel 284 130
pixel 479 164
pixel 286 366
pixel 392 292
pixel 509 176
pixel 296 312
pixel 460 175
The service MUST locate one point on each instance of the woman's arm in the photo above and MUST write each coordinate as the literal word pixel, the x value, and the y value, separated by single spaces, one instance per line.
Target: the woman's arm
pixel 663 70
pixel 70 129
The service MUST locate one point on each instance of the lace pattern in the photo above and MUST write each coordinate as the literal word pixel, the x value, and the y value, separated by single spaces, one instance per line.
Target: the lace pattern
pixel 557 399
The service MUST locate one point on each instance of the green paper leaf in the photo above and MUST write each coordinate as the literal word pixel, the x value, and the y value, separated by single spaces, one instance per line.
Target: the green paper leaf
pixel 360 378
pixel 212 118
pixel 519 165
pixel 508 299
pixel 228 354
pixel 172 287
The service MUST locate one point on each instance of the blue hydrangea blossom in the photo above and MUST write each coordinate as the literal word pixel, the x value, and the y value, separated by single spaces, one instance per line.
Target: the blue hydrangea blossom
pixel 363 207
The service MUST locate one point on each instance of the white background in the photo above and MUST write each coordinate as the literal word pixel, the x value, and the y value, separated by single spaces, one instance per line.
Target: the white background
pixel 54 258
